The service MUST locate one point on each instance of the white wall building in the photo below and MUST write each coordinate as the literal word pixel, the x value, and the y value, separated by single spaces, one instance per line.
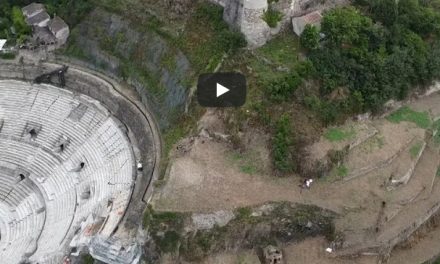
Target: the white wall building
pixel 299 23
pixel 2 44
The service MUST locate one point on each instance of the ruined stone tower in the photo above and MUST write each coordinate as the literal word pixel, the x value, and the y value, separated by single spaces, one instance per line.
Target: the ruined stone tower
pixel 246 16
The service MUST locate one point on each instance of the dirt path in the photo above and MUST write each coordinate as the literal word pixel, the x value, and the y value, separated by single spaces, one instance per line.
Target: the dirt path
pixel 311 251
pixel 427 248
pixel 206 180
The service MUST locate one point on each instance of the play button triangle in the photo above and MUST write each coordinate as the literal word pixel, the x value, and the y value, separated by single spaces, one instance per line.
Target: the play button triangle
pixel 221 90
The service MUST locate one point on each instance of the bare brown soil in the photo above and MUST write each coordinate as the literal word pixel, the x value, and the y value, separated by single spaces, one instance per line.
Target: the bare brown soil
pixel 392 191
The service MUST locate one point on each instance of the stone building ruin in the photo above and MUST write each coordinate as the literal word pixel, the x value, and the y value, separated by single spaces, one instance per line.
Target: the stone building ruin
pixel 247 15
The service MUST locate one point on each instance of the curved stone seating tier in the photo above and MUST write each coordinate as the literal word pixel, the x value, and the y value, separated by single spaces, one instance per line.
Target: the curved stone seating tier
pixel 41 209
pixel 21 226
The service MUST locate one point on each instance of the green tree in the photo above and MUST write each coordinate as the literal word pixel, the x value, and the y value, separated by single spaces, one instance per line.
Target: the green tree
pixel 346 26
pixel 310 37
pixel 420 19
pixel 434 61
pixel 21 28
pixel 385 11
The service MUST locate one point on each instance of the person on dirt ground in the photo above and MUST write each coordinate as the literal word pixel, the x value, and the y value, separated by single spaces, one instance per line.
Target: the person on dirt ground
pixel 306 184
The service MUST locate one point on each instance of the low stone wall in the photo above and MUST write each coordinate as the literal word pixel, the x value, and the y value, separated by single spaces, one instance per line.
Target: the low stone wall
pixel 387 246
pixel 370 168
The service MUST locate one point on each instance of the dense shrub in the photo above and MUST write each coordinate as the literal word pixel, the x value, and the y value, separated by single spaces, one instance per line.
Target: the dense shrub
pixel 282 89
pixel 305 69
pixel 272 17
pixel 282 142
pixel 310 37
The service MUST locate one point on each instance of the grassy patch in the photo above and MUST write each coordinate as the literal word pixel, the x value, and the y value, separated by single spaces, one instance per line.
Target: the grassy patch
pixel 150 80
pixel 168 61
pixel 272 17
pixel 276 59
pixel 421 119
pixel 248 169
pixel 165 227
pixel 243 213
pixel 7 56
pixel 247 162
pixel 436 261
pixel 338 134
pixel 372 144
pixel 436 127
pixel 87 259
pixel 438 172
pixel 342 171
pixel 173 134
pixel 169 241
pixel 170 137
pixel 337 173
pixel 163 220
pixel 415 150
pixel 208 38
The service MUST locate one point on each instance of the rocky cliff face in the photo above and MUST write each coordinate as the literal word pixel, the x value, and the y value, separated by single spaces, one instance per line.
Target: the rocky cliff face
pixel 138 54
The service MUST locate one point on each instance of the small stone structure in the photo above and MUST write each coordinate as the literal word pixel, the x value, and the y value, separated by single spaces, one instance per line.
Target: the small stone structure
pixel 33 9
pixel 59 29
pixel 112 251
pixel 46 31
pixel 39 20
pixel 272 255
pixel 299 23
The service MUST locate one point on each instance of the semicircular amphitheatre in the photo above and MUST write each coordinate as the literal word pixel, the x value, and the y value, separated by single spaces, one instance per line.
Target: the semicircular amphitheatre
pixel 63 158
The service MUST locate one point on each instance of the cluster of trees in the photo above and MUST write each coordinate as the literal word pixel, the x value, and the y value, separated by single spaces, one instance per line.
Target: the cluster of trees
pixel 12 23
pixel 368 54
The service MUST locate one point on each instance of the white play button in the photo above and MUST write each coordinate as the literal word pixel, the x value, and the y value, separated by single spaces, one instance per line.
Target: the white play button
pixel 221 90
